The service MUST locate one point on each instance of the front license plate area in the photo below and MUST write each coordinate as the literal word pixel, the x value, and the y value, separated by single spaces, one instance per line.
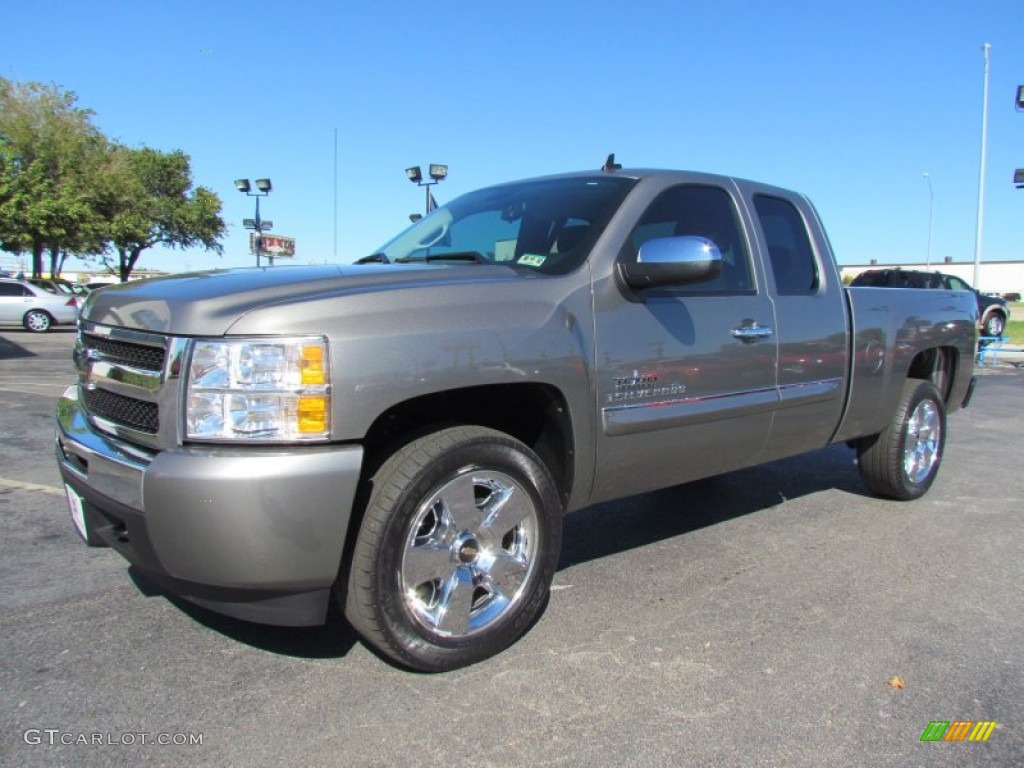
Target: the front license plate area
pixel 77 507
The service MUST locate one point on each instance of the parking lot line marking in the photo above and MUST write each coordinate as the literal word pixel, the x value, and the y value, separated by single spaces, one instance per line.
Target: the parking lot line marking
pixel 36 392
pixel 20 486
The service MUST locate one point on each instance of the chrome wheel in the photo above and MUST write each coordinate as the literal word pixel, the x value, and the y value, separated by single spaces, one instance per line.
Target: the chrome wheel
pixel 994 325
pixel 902 460
pixel 456 551
pixel 469 551
pixel 923 442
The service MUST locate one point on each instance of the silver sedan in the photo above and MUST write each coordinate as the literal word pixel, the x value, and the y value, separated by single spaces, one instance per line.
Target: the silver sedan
pixel 33 308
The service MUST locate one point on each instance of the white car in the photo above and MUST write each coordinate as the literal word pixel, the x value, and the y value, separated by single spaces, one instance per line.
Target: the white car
pixel 34 308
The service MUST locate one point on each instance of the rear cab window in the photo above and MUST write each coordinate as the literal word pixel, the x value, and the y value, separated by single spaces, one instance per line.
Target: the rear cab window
pixel 793 264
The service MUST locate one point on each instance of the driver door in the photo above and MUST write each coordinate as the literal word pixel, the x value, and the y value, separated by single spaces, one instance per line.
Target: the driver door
pixel 687 375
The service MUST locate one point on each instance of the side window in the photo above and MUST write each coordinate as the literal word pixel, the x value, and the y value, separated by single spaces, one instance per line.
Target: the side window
pixel 705 211
pixel 957 284
pixel 789 247
pixel 12 289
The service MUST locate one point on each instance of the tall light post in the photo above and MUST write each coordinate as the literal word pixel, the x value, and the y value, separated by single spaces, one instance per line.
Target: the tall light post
pixel 436 172
pixel 931 208
pixel 1018 174
pixel 981 180
pixel 264 188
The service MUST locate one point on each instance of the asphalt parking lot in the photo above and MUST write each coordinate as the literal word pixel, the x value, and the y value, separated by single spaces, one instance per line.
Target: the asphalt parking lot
pixel 751 620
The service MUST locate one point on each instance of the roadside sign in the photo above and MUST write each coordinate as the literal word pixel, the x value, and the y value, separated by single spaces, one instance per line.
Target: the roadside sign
pixel 278 246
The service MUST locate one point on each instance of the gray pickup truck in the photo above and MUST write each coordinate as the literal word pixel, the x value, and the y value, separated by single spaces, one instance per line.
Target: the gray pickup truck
pixel 407 432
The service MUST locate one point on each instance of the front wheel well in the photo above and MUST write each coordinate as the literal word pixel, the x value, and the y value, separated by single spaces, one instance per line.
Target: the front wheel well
pixel 535 414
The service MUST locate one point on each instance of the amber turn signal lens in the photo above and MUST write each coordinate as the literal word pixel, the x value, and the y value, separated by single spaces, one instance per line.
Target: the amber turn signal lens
pixel 312 413
pixel 313 364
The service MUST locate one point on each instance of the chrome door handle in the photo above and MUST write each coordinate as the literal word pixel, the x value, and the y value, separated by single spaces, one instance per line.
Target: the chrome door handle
pixel 751 332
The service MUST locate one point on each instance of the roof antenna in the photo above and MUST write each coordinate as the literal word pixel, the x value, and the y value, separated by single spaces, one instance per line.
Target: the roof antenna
pixel 610 164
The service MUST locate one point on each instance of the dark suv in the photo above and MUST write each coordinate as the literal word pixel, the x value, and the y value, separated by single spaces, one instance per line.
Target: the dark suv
pixel 993 312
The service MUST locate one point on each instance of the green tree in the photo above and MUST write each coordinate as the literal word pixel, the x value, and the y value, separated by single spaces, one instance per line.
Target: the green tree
pixel 148 199
pixel 65 189
pixel 49 151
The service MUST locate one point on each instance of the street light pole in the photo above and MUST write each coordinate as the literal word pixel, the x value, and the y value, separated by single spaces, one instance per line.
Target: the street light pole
pixel 257 224
pixel 931 208
pixel 1018 173
pixel 259 232
pixel 437 174
pixel 981 175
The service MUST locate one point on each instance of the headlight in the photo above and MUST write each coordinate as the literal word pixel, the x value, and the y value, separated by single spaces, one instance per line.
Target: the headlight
pixel 274 390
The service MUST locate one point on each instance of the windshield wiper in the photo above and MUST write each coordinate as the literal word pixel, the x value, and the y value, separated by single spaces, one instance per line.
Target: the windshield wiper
pixel 380 258
pixel 473 256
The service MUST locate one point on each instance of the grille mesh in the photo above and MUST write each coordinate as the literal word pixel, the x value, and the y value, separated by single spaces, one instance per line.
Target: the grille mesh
pixel 126 411
pixel 135 355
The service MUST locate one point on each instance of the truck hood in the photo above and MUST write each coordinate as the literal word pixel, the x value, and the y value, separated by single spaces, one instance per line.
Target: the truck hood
pixel 209 303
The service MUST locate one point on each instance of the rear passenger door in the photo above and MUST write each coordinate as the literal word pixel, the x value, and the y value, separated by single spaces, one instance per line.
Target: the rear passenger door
pixel 810 323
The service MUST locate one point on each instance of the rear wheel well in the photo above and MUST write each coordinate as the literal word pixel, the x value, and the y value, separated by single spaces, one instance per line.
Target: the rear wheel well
pixel 937 365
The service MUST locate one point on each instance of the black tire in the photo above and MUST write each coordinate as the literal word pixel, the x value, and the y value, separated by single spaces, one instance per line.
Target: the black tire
pixel 994 325
pixel 37 321
pixel 436 583
pixel 902 461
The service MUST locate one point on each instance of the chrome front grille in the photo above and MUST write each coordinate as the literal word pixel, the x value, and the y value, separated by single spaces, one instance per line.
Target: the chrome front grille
pixel 128 381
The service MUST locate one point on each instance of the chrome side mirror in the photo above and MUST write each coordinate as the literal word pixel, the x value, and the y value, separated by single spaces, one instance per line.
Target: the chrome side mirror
pixel 673 261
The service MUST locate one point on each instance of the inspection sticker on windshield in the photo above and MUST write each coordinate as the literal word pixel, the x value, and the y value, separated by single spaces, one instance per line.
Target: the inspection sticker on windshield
pixel 532 259
pixel 77 512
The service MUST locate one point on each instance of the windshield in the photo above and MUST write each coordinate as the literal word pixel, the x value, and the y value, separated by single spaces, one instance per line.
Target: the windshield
pixel 547 226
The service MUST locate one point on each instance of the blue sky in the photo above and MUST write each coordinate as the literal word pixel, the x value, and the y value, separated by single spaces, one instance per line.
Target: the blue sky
pixel 850 103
